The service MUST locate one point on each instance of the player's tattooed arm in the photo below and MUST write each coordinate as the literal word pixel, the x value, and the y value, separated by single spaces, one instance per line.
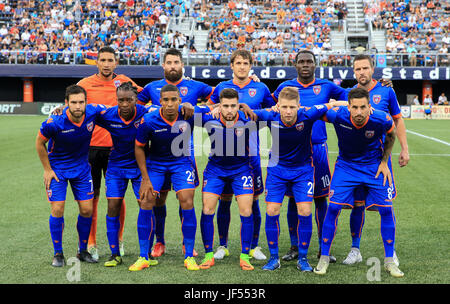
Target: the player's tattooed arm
pixel 386 82
pixel 383 168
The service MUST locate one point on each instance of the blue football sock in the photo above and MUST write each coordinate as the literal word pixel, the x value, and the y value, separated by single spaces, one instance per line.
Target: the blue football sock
pixel 272 233
pixel 223 221
pixel 321 209
pixel 247 225
pixel 357 219
pixel 329 227
pixel 304 232
pixel 189 227
pixel 112 233
pixel 160 222
pixel 144 229
pixel 256 223
pixel 152 233
pixel 207 229
pixel 56 231
pixel 83 228
pixel 387 230
pixel 292 220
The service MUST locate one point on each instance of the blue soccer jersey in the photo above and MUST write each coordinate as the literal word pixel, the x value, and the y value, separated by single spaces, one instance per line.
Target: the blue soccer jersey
pixel 190 91
pixel 68 145
pixel 229 143
pixel 360 144
pixel 123 134
pixel 255 94
pixel 291 145
pixel 319 91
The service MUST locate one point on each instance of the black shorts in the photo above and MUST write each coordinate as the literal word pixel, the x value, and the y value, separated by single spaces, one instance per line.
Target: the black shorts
pixel 98 159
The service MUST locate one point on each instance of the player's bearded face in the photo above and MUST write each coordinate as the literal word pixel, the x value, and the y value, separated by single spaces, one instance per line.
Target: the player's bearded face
pixel 359 110
pixel 229 108
pixel 363 71
pixel 288 110
pixel 173 68
pixel 126 101
pixel 77 105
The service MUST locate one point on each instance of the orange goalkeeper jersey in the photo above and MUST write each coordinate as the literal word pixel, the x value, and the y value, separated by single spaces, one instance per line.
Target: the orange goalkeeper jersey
pixel 103 92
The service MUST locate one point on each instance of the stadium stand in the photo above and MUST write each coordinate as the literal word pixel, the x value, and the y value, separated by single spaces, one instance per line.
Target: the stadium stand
pixel 414 32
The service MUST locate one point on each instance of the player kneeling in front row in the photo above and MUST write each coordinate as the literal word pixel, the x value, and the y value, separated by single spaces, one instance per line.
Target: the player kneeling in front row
pixel 66 160
pixel 362 158
pixel 229 164
pixel 290 166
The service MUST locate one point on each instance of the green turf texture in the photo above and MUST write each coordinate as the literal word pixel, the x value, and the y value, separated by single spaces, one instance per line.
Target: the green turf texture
pixel 421 208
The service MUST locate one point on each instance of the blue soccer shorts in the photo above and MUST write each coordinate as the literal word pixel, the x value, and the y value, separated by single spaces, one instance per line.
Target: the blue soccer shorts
pixel 347 177
pixel 322 175
pixel 167 186
pixel 215 179
pixel 116 181
pixel 258 185
pixel 80 181
pixel 299 180
pixel 181 175
pixel 361 193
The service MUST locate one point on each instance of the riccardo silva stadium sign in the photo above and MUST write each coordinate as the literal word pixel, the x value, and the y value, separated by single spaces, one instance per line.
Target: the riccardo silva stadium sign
pixel 222 72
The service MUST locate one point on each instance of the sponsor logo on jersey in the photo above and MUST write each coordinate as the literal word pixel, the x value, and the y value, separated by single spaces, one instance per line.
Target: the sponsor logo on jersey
pixel 68 131
pixel 317 89
pixel 184 91
pixel 376 99
pixel 370 134
pixel 90 126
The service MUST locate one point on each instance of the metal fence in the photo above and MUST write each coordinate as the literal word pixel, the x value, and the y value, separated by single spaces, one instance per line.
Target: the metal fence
pixel 328 58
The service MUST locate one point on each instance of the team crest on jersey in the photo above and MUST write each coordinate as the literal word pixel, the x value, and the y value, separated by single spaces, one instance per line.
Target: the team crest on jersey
pixel 252 92
pixel 376 99
pixel 239 132
pixel 330 194
pixel 136 123
pixel 300 126
pixel 370 134
pixel 117 83
pixel 317 89
pixel 183 127
pixel 90 126
pixel 49 193
pixel 204 183
pixel 184 91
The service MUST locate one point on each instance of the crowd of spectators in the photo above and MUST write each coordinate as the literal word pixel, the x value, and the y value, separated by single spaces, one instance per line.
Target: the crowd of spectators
pixel 419 29
pixel 269 29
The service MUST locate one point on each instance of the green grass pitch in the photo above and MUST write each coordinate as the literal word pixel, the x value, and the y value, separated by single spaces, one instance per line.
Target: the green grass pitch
pixel 421 208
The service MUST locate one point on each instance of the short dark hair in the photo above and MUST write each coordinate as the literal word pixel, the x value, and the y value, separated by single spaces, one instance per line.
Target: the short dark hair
pixel 127 86
pixel 229 94
pixel 75 89
pixel 363 57
pixel 358 93
pixel 174 52
pixel 305 52
pixel 242 53
pixel 106 49
pixel 169 88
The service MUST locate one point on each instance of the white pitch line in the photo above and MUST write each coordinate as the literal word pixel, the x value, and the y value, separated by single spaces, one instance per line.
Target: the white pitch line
pixel 429 137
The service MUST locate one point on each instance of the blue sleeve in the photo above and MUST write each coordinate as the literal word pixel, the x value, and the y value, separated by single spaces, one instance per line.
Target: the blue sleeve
pixel 215 95
pixel 338 92
pixel 394 107
pixel 269 100
pixel 201 109
pixel 264 114
pixel 143 134
pixel 313 113
pixel 388 123
pixel 48 128
pixel 205 90
pixel 144 95
pixel 331 114
pixel 277 92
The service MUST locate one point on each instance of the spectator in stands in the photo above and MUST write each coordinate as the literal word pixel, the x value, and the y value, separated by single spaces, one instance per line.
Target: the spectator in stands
pixel 442 100
pixel 412 51
pixel 416 100
pixel 428 101
pixel 443 55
